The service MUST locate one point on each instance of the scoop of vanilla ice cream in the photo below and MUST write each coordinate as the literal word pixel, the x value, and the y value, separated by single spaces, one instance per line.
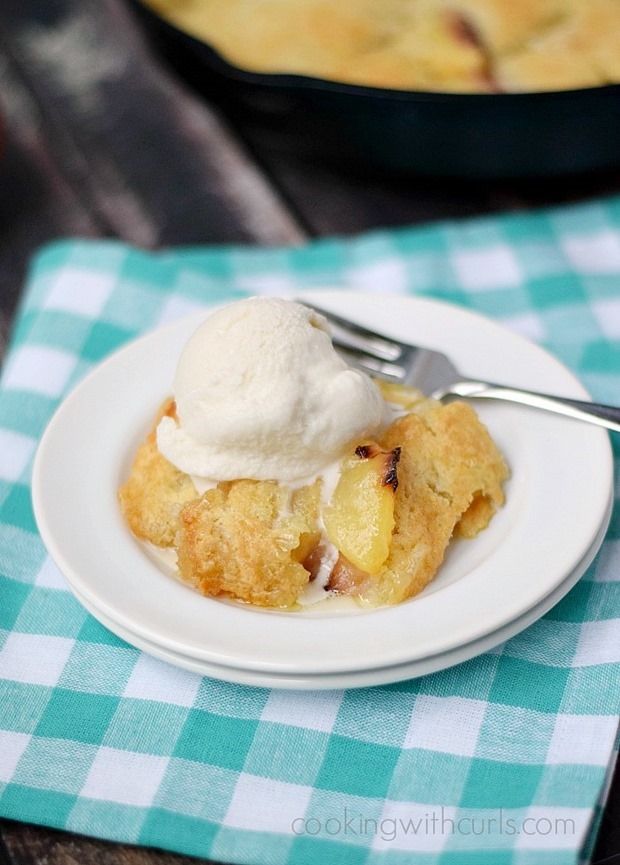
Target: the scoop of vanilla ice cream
pixel 261 393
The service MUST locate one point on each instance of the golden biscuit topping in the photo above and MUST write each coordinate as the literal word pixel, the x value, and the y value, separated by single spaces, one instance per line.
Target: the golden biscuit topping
pixel 461 46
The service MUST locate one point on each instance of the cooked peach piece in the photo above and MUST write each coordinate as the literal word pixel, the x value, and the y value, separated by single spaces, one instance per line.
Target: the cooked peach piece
pixel 359 519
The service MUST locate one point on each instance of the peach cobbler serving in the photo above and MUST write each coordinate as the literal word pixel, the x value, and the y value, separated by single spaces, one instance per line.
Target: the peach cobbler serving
pixel 280 476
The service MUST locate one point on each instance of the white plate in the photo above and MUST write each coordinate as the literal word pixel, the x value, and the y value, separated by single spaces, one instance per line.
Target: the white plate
pixel 557 510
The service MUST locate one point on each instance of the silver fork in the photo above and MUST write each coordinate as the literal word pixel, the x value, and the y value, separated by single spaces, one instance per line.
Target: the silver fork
pixel 435 375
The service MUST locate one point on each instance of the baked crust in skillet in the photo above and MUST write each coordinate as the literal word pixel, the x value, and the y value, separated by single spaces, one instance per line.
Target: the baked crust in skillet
pixel 460 46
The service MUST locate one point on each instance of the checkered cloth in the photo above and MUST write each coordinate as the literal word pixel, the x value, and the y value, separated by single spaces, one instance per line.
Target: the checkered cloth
pixel 503 759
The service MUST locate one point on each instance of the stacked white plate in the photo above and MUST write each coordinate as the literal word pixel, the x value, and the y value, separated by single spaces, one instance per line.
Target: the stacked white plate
pixel 488 589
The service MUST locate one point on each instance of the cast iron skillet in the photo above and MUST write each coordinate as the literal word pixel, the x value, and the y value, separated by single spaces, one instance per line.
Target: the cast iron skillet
pixel 483 136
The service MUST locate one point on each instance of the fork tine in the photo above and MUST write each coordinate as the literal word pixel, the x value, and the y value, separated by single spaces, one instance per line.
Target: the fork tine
pixel 348 334
pixel 369 364
pixel 424 368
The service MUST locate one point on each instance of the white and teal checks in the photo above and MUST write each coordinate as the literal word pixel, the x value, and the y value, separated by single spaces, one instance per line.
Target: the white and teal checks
pixel 503 759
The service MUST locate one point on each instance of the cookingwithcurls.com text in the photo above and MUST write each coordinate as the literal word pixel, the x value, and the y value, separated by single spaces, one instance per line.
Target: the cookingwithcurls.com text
pixel 433 822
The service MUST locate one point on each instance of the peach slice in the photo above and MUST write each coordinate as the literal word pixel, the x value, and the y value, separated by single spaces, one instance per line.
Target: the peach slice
pixel 359 519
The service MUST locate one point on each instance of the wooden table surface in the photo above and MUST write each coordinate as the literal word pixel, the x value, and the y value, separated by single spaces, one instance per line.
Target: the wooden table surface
pixel 101 139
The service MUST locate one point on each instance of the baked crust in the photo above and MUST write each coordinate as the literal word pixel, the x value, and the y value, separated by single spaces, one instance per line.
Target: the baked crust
pixel 153 495
pixel 436 45
pixel 450 485
pixel 247 539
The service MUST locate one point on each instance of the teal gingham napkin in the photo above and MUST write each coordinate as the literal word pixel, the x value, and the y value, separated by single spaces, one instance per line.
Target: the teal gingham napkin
pixel 503 759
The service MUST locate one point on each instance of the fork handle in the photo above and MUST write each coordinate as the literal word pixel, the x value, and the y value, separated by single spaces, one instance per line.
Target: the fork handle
pixel 603 415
